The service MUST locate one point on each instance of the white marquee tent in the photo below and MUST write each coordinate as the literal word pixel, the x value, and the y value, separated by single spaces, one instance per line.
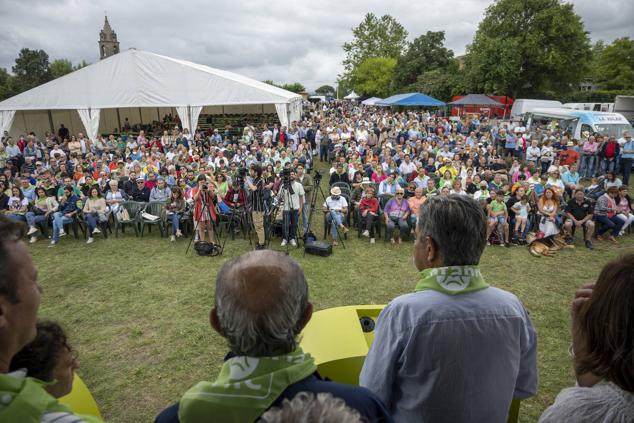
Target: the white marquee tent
pixel 352 96
pixel 143 87
pixel 371 101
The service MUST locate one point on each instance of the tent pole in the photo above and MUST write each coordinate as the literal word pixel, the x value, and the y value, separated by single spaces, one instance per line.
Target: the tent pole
pixel 119 120
pixel 141 116
pixel 50 121
pixel 158 115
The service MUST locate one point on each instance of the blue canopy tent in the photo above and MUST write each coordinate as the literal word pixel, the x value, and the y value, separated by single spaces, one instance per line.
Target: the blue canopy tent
pixel 411 99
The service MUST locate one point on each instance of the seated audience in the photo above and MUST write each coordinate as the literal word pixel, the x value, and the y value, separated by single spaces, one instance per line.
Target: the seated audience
pixel 396 214
pixel 579 214
pixel 369 213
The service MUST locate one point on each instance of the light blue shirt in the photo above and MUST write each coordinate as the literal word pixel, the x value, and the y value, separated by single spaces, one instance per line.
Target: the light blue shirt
pixel 628 146
pixel 452 358
pixel 568 178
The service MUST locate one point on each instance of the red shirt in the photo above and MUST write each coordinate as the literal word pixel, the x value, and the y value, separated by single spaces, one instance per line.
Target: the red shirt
pixel 568 157
pixel 369 204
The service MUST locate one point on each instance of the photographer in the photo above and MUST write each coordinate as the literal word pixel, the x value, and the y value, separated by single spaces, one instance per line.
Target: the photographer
pixel 292 197
pixel 204 209
pixel 255 185
pixel 307 182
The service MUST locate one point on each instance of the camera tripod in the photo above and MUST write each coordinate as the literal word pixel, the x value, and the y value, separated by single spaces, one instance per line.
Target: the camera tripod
pixel 241 211
pixel 313 201
pixel 205 209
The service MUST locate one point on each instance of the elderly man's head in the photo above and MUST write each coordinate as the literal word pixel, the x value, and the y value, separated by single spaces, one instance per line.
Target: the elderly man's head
pixel 261 303
pixel 451 231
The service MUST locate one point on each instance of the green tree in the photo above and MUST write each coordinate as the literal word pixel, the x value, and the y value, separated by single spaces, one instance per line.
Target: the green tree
pixel 373 76
pixel 374 37
pixel 295 87
pixel 326 90
pixel 30 69
pixel 6 84
pixel 442 83
pixel 60 67
pixel 529 47
pixel 425 53
pixel 80 65
pixel 614 65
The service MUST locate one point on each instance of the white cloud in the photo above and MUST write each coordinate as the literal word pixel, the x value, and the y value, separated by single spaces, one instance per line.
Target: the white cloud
pixel 285 41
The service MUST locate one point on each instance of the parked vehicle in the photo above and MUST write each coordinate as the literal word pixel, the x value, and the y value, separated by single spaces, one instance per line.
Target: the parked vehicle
pixel 576 122
pixel 594 107
pixel 522 106
pixel 624 104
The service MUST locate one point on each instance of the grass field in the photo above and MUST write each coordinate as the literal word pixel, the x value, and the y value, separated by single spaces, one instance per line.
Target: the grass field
pixel 137 309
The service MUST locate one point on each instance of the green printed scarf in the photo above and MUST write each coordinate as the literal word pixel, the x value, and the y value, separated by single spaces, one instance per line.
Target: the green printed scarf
pixel 452 280
pixel 245 388
pixel 29 401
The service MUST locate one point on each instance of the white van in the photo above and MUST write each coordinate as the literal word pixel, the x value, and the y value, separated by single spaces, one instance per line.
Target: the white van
pixel 594 107
pixel 523 106
pixel 579 121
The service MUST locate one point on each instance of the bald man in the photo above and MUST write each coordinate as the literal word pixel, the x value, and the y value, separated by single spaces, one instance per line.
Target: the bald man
pixel 260 308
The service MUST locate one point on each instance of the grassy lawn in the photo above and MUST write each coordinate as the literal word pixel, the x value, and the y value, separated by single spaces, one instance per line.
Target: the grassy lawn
pixel 137 309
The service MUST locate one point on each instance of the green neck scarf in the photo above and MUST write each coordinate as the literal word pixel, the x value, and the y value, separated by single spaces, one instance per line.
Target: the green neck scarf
pixel 29 400
pixel 452 280
pixel 245 388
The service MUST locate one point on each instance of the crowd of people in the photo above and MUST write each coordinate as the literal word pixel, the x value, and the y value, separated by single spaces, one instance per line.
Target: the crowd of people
pixel 453 350
pixel 383 165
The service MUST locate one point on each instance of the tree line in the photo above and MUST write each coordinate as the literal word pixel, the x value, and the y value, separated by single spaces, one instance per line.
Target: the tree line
pixel 32 68
pixel 522 48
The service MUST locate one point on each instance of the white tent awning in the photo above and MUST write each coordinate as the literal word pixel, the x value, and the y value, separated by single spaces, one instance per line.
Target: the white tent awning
pixel 139 79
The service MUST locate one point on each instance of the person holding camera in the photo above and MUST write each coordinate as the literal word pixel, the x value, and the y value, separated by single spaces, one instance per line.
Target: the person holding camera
pixel 292 197
pixel 204 209
pixel 307 182
pixel 255 185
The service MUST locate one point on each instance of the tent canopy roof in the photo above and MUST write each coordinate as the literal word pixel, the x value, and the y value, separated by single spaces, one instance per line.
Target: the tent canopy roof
pixel 136 78
pixel 371 101
pixel 352 96
pixel 476 100
pixel 411 99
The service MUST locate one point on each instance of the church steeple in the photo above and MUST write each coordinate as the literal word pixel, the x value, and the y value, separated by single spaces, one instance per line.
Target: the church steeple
pixel 108 44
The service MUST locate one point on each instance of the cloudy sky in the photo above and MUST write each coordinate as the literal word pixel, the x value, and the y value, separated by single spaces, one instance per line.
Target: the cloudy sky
pixel 282 40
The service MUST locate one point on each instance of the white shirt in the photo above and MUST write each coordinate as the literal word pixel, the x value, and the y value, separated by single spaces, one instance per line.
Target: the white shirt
pixel 337 204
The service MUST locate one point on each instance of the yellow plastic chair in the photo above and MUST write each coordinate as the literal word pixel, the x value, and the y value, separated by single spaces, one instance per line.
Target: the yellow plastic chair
pixel 80 400
pixel 339 339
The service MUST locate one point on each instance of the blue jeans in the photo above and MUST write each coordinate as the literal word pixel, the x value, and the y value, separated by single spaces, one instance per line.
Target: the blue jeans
pixel 305 214
pixel 608 165
pixel 289 226
pixel 176 221
pixel 33 219
pixel 392 222
pixel 586 168
pixel 626 168
pixel 92 219
pixel 16 217
pixel 614 223
pixel 335 219
pixel 59 220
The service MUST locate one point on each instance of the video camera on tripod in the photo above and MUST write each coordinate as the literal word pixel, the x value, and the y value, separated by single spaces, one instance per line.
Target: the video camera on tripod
pixel 285 174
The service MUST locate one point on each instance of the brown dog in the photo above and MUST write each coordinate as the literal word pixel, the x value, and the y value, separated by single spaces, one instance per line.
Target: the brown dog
pixel 546 247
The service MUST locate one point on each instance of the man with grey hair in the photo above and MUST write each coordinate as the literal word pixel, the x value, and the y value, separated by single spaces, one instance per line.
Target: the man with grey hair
pixel 261 306
pixel 455 350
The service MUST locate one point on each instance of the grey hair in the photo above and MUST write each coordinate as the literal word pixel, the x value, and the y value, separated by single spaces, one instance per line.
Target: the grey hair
pixel 269 332
pixel 308 408
pixel 457 224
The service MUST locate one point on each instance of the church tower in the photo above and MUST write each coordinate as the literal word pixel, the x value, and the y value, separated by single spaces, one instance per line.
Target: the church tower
pixel 108 44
